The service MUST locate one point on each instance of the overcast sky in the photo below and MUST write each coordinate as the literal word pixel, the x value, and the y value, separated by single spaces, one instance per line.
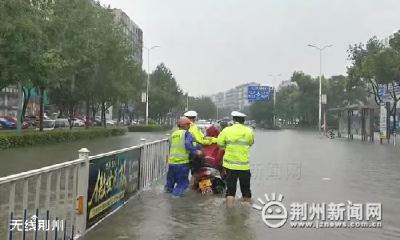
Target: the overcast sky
pixel 213 45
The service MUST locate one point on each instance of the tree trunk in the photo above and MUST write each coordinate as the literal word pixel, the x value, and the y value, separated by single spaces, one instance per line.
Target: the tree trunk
pixel 120 114
pixel 27 96
pixel 87 114
pixel 93 113
pixel 103 114
pixel 71 115
pixel 388 112
pixel 41 111
pixel 394 115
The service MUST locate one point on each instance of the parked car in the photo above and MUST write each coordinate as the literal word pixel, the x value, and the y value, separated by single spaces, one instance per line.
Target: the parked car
pixel 110 123
pixel 61 123
pixel 48 125
pixel 97 121
pixel 83 119
pixel 7 124
pixel 25 124
pixel 77 122
pixel 31 120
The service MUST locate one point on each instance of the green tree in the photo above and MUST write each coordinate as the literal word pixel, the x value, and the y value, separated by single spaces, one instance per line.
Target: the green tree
pixel 307 98
pixel 20 36
pixel 377 65
pixel 204 107
pixel 263 112
pixel 165 93
pixel 286 104
pixel 72 32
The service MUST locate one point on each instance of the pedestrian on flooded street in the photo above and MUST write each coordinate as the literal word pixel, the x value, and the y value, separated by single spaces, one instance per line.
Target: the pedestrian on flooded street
pixel 237 140
pixel 181 145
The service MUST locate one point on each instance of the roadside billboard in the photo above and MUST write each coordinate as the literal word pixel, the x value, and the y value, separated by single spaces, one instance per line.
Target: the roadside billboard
pixel 112 180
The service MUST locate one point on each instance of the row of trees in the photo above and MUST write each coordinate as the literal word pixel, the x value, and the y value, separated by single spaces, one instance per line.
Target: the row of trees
pixel 78 53
pixel 374 68
pixel 204 107
pixel 73 49
pixel 298 101
pixel 376 65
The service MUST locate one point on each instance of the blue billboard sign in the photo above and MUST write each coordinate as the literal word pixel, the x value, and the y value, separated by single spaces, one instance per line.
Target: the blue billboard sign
pixel 385 92
pixel 258 93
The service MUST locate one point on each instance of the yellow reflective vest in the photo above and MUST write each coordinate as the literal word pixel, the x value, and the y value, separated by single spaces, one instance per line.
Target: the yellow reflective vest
pixel 199 136
pixel 236 140
pixel 178 153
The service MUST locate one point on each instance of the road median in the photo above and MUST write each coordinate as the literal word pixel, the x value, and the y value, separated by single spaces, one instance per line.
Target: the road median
pixel 32 138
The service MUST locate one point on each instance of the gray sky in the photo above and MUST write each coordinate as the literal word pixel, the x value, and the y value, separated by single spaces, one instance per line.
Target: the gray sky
pixel 213 45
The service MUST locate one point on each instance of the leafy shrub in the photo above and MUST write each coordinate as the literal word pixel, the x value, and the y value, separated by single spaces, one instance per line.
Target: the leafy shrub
pixel 13 140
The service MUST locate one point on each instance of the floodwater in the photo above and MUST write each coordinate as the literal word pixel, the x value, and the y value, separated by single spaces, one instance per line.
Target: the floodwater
pixel 302 166
pixel 23 159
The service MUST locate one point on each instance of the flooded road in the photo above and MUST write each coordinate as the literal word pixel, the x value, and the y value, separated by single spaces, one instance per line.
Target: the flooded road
pixel 23 159
pixel 299 165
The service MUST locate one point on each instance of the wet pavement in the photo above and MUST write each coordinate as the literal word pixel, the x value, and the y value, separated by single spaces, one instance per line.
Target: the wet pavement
pixel 23 159
pixel 300 165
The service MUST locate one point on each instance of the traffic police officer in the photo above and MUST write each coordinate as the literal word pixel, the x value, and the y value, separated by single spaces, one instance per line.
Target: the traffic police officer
pixel 199 141
pixel 178 170
pixel 196 132
pixel 237 140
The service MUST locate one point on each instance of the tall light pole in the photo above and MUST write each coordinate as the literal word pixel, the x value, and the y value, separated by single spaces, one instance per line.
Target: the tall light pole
pixel 187 101
pixel 148 82
pixel 320 81
pixel 275 76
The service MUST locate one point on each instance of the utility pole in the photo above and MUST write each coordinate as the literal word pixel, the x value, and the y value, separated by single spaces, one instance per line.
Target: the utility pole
pixel 187 101
pixel 275 76
pixel 274 106
pixel 320 81
pixel 148 82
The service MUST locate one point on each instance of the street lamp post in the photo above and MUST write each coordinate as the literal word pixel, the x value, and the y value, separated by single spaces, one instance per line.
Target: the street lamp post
pixel 148 82
pixel 274 88
pixel 320 80
pixel 187 101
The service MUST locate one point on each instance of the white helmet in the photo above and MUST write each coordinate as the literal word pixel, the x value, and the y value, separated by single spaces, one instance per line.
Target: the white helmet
pixel 190 114
pixel 238 114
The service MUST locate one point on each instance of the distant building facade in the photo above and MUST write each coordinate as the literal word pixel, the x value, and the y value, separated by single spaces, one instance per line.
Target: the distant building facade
pixel 134 33
pixel 235 98
pixel 285 84
pixel 9 101
pixel 219 99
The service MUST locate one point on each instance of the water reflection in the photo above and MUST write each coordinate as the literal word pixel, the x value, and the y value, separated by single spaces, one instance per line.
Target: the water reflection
pixel 28 158
pixel 360 172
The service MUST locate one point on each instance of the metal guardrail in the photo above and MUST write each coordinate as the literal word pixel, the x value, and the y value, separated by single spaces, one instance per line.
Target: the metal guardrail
pixel 151 170
pixel 53 202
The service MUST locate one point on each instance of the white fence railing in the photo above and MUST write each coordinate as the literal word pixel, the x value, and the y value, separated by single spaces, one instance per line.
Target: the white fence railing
pixel 63 201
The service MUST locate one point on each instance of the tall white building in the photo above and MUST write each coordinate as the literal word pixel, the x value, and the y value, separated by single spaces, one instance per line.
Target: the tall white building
pixel 219 99
pixel 134 33
pixel 235 98
pixel 243 95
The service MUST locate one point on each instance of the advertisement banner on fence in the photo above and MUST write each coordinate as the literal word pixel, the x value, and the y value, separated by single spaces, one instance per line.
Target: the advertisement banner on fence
pixel 112 180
